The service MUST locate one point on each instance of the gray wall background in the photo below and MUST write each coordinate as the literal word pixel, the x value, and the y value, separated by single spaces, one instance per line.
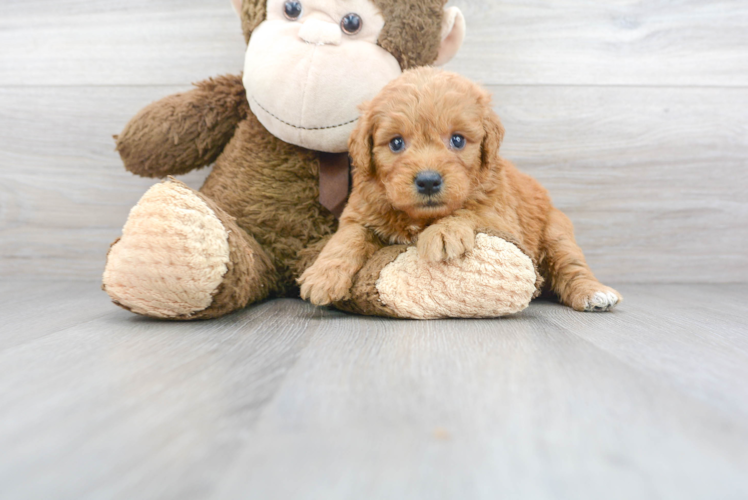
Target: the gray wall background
pixel 634 114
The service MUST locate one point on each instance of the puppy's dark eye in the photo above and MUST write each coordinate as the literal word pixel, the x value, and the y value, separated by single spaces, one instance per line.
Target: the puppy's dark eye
pixel 397 145
pixel 351 24
pixel 458 142
pixel 292 10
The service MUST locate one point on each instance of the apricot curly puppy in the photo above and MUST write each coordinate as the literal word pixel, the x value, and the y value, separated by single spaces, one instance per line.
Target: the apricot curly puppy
pixel 427 171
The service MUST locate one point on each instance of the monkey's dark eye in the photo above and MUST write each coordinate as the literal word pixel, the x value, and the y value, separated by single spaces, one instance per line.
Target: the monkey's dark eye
pixel 458 142
pixel 292 10
pixel 351 24
pixel 397 145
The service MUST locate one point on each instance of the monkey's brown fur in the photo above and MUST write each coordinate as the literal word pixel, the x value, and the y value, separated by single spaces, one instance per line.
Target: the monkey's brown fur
pixel 266 189
pixel 481 190
pixel 184 131
pixel 268 186
pixel 412 32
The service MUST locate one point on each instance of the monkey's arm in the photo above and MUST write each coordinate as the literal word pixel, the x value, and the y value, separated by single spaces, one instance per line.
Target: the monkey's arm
pixel 184 131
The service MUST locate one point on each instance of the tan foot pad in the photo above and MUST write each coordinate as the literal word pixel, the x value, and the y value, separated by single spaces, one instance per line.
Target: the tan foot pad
pixel 495 279
pixel 172 256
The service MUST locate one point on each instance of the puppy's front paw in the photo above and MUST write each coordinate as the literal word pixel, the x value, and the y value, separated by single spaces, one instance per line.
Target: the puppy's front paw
pixel 442 242
pixel 324 285
pixel 595 298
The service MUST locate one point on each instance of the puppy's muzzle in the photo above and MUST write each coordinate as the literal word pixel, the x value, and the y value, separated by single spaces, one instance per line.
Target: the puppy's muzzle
pixel 429 183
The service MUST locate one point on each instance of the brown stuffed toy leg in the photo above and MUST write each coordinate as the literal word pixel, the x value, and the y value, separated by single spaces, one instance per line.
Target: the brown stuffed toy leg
pixel 495 279
pixel 181 257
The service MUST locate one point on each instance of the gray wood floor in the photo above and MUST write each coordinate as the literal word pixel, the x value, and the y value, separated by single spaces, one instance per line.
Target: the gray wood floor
pixel 290 402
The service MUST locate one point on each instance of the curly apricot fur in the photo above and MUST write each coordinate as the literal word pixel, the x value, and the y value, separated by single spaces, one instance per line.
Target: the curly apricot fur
pixel 481 190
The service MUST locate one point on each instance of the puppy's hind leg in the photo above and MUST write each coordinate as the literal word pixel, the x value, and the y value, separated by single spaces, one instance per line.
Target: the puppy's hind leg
pixel 569 275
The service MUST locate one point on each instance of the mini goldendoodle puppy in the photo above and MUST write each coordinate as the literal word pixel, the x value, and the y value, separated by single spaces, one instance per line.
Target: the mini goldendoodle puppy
pixel 427 171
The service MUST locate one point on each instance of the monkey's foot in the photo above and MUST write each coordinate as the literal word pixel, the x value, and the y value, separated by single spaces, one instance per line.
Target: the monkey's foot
pixel 494 279
pixel 181 257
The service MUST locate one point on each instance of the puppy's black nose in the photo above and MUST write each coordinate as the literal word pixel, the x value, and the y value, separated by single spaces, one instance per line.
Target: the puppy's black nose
pixel 429 182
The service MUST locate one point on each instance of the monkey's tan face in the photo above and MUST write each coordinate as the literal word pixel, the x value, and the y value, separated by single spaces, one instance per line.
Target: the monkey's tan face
pixel 311 64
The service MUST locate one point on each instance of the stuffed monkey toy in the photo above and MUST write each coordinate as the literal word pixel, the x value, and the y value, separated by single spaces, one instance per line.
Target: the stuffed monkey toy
pixel 278 138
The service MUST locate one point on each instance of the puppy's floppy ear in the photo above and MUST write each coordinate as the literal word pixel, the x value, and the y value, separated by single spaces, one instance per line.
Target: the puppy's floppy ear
pixel 361 145
pixel 493 138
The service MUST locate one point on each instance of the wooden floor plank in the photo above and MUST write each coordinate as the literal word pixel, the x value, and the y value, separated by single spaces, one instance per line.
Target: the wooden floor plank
pixel 725 300
pixel 283 400
pixel 44 308
pixel 517 408
pixel 123 407
pixel 697 351
pixel 18 289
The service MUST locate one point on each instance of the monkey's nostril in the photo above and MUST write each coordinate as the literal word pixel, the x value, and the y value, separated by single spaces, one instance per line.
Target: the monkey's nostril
pixel 429 182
